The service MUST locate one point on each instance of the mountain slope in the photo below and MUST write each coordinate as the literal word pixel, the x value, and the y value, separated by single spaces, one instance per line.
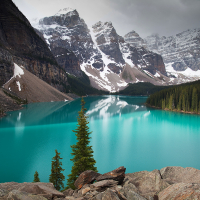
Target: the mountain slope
pixel 19 43
pixel 181 53
pixel 27 86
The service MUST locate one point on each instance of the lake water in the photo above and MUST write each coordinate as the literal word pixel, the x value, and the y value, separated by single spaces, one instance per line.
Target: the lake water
pixel 125 133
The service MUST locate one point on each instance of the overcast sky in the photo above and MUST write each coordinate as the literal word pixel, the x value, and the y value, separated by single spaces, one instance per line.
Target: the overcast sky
pixel 166 17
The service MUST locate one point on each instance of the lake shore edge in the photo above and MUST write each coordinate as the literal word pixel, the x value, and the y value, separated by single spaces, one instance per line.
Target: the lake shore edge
pixel 174 110
pixel 166 183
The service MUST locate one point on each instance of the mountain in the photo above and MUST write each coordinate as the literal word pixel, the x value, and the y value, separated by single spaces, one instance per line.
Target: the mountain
pixel 181 53
pixel 19 43
pixel 28 86
pixel 109 60
pixel 29 71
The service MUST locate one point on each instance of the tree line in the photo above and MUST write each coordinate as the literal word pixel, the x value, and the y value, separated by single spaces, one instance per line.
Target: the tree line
pixel 184 97
pixel 141 88
pixel 82 156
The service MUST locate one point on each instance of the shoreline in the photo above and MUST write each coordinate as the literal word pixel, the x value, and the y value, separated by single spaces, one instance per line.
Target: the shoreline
pixel 174 110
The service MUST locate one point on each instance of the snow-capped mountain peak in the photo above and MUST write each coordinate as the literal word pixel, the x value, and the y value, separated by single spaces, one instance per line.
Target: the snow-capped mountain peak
pixel 64 11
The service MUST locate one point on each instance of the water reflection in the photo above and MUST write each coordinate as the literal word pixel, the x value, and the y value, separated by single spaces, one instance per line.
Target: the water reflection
pixel 114 105
pixel 66 112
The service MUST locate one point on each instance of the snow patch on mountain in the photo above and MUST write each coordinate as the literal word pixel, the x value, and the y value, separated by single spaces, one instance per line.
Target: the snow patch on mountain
pixel 64 11
pixel 18 71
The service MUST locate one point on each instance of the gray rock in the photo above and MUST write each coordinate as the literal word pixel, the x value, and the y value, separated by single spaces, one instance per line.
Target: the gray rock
pixel 189 191
pixel 68 192
pixel 147 183
pixel 109 195
pixel 20 195
pixel 179 174
pixel 117 175
pixel 102 185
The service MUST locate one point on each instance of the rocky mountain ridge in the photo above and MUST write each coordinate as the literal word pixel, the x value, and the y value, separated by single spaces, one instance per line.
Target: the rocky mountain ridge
pixel 181 52
pixel 167 183
pixel 109 61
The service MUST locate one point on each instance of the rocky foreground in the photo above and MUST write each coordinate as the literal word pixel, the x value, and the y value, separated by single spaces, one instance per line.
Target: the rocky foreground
pixel 167 183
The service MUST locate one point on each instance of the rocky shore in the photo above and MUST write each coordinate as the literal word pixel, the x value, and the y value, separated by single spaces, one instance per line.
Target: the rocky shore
pixel 168 183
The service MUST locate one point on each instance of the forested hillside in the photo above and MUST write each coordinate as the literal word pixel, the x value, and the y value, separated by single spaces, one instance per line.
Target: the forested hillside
pixel 141 89
pixel 185 97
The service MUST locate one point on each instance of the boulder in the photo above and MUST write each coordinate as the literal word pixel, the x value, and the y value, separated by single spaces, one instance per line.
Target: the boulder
pixel 179 174
pixel 129 191
pixel 20 195
pixel 46 190
pixel 117 175
pixel 102 185
pixel 68 192
pixel 146 183
pixel 42 189
pixel 85 190
pixel 189 191
pixel 109 195
pixel 85 178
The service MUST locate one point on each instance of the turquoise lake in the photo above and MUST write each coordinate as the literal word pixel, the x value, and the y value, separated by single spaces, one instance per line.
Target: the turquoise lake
pixel 124 133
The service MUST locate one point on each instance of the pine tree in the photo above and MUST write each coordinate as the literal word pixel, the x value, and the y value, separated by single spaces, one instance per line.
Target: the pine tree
pixel 36 177
pixel 83 154
pixel 56 177
pixel 163 104
pixel 194 106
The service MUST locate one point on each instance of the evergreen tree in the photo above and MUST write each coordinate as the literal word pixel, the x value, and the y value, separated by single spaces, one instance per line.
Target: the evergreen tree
pixel 194 106
pixel 82 153
pixel 56 177
pixel 36 177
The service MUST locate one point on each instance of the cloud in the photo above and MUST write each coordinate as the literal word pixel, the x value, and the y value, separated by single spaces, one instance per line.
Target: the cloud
pixel 144 16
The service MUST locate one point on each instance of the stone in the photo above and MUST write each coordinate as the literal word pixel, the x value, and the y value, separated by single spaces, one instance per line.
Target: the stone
pixel 189 191
pixel 20 195
pixel 41 189
pixel 179 174
pixel 147 183
pixel 86 177
pixel 102 185
pixel 117 175
pixel 69 198
pixel 85 190
pixel 68 192
pixel 109 195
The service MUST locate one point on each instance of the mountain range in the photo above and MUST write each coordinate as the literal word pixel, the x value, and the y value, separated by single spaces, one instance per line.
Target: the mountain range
pixel 68 56
pixel 112 61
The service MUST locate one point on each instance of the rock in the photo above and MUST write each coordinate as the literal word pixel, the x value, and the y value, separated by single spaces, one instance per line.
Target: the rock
pixel 41 189
pixel 179 174
pixel 69 198
pixel 189 191
pixel 20 195
pixel 109 195
pixel 85 190
pixel 46 190
pixel 117 175
pixel 85 178
pixel 102 185
pixel 147 183
pixel 129 191
pixel 3 192
pixel 68 192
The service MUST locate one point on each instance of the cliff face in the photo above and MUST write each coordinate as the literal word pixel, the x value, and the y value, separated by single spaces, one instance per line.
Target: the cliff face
pixel 107 41
pixel 181 50
pixel 19 43
pixel 67 34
